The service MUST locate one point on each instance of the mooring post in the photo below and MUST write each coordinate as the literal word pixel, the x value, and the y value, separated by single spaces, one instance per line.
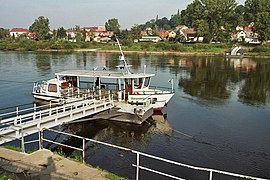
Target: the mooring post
pixel 22 140
pixel 40 138
pixel 83 150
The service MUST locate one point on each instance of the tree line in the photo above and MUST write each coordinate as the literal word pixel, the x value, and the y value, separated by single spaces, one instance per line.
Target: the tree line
pixel 217 19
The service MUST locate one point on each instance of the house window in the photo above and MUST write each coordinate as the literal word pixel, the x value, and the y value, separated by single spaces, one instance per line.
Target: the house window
pixel 52 88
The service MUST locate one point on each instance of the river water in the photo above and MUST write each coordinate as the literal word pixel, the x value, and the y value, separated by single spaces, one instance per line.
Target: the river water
pixel 218 118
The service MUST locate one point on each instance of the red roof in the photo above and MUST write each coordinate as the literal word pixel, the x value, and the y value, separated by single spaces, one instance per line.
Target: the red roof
pixel 28 33
pixel 22 30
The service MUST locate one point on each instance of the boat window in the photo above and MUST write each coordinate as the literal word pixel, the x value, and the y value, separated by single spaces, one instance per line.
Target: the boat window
pixel 154 100
pixel 52 88
pixel 138 83
pixel 147 81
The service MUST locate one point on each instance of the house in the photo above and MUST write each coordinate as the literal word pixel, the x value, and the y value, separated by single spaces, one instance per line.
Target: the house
pixel 171 34
pixel 181 27
pixel 190 34
pixel 16 32
pixel 166 35
pixel 71 34
pixel 245 33
pixel 97 33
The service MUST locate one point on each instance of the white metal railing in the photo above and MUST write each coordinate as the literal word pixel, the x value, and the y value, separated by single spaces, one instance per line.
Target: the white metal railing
pixel 138 165
pixel 16 123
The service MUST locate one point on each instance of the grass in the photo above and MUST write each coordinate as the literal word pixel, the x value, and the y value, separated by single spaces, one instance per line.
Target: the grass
pixel 14 148
pixel 19 149
pixel 110 175
pixel 3 177
pixel 76 156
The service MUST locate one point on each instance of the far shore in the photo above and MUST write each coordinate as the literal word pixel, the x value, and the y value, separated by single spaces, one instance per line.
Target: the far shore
pixel 153 52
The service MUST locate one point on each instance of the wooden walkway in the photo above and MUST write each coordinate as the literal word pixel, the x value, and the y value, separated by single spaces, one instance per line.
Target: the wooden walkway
pixel 21 123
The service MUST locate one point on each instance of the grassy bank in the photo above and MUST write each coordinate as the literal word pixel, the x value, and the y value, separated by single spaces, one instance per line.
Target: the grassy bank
pixel 61 45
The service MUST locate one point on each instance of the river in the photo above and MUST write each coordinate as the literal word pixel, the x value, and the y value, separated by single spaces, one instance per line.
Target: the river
pixel 218 118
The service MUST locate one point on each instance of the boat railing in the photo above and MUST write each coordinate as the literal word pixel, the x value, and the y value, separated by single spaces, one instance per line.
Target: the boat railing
pixel 83 93
pixel 139 165
pixel 38 86
pixel 158 90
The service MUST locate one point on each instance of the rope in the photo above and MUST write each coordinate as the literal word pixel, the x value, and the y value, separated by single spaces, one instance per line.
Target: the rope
pixel 184 134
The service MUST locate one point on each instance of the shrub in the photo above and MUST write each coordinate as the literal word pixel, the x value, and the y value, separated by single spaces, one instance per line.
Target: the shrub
pixel 259 49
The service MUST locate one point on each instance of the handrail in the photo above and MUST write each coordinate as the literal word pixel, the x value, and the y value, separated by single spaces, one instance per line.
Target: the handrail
pixel 138 154
pixel 36 115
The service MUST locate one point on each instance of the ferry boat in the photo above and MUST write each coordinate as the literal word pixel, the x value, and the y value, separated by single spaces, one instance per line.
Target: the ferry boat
pixel 132 88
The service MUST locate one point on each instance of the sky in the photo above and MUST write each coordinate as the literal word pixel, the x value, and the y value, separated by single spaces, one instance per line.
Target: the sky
pixel 68 13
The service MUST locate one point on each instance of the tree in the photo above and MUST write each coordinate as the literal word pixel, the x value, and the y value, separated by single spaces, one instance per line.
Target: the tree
pixel 175 20
pixel 194 11
pixel 113 25
pixel 135 32
pixel 262 27
pixel 240 12
pixel 4 33
pixel 219 14
pixel 163 24
pixel 41 28
pixel 79 37
pixel 61 33
pixel 258 11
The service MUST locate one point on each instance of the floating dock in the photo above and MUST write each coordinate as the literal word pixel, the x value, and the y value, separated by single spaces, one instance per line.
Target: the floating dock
pixel 20 123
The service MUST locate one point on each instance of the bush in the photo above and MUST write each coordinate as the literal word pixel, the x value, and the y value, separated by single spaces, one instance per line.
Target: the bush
pixel 261 49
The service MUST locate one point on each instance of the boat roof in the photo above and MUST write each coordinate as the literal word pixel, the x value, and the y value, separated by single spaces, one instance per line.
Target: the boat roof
pixel 103 74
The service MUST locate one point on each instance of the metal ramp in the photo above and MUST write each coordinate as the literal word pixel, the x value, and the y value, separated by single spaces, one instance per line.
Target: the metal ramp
pixel 21 123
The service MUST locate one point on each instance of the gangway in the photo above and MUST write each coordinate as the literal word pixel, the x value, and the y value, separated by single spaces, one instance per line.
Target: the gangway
pixel 20 123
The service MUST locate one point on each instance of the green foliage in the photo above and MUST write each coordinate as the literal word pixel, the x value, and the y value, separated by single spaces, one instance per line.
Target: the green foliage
pixel 41 28
pixel 61 33
pixel 258 11
pixel 14 148
pixel 261 49
pixel 4 33
pixel 60 152
pixel 110 175
pixel 113 25
pixel 76 156
pixel 3 177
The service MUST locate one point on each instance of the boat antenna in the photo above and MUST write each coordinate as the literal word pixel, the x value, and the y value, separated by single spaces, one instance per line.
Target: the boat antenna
pixel 122 58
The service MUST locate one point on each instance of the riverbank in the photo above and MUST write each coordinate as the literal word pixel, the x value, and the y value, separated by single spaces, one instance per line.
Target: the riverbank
pixel 43 164
pixel 160 48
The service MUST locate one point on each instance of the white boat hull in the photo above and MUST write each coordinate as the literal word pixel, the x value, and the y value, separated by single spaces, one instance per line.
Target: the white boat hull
pixel 158 101
pixel 46 97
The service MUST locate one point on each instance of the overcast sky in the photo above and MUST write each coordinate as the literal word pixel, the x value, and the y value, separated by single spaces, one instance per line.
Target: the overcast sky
pixel 68 13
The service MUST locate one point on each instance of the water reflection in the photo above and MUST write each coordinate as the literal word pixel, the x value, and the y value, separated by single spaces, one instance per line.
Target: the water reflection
pixel 43 63
pixel 256 87
pixel 213 79
pixel 208 79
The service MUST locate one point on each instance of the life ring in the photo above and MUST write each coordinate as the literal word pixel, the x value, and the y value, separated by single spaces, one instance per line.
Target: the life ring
pixel 136 93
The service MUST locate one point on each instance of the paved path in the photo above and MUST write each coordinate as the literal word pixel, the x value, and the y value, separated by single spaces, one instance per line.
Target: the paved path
pixel 43 165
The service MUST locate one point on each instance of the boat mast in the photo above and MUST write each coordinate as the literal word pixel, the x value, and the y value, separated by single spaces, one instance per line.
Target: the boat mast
pixel 122 58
